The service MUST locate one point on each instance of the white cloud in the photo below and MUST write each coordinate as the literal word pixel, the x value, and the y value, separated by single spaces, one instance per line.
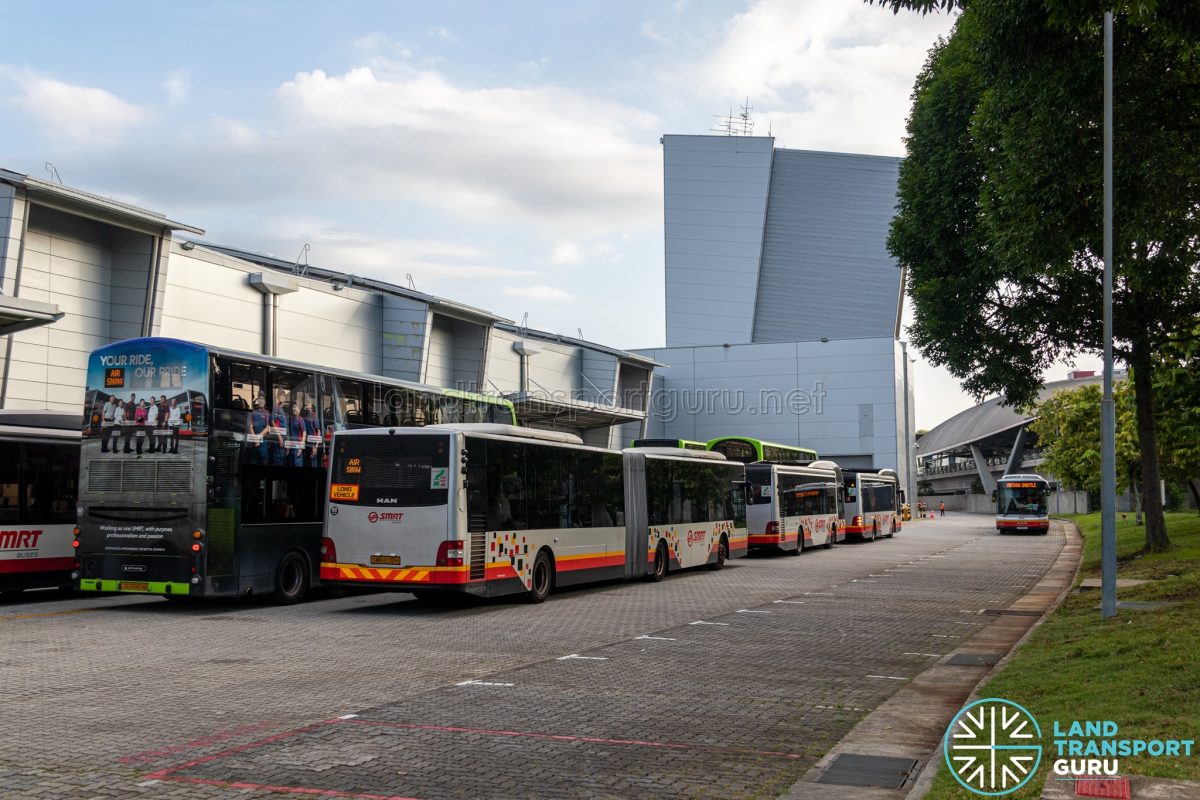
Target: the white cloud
pixel 568 253
pixel 822 76
pixel 529 70
pixel 650 30
pixel 539 292
pixel 178 85
pixel 74 113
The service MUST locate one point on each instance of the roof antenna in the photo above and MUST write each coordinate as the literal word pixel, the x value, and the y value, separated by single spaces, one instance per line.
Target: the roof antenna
pixel 525 324
pixel 53 172
pixel 296 268
pixel 580 332
pixel 411 283
pixel 740 124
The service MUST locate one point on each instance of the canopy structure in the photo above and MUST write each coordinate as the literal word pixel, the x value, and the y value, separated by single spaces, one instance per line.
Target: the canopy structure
pixel 18 314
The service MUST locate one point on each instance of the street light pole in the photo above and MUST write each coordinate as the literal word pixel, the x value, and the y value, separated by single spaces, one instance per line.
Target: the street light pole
pixel 1108 417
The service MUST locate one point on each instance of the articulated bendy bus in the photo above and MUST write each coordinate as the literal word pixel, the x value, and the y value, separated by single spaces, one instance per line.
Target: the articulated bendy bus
pixel 493 509
pixel 747 450
pixel 684 444
pixel 872 501
pixel 1021 503
pixel 791 508
pixel 39 467
pixel 202 470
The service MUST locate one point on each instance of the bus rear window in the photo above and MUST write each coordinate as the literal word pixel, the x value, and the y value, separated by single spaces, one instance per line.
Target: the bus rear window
pixel 402 471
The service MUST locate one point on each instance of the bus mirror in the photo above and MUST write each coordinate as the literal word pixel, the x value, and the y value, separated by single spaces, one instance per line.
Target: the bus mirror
pixel 993 495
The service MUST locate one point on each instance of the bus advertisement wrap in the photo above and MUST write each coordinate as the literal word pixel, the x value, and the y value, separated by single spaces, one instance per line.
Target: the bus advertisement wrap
pixel 142 464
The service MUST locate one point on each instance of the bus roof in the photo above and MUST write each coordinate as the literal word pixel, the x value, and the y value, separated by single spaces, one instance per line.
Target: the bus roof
pixel 490 428
pixel 676 452
pixel 760 442
pixel 1024 476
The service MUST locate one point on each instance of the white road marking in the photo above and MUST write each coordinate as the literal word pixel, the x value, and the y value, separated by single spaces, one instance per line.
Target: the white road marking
pixel 791 602
pixel 582 658
pixel 927 655
pixel 467 683
pixel 888 677
pixel 751 611
pixel 703 622
pixel 352 716
pixel 657 638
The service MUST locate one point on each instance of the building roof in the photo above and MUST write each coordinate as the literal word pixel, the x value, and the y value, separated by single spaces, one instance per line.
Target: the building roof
pixel 546 336
pixel 104 209
pixel 346 280
pixel 988 419
pixel 20 313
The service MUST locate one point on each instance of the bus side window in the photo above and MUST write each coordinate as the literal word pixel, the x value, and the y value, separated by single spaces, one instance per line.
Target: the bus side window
pixel 10 482
pixel 50 484
pixel 349 410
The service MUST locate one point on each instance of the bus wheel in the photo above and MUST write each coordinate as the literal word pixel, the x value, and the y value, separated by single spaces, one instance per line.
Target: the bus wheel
pixel 291 579
pixel 543 579
pixel 830 538
pixel 892 535
pixel 874 531
pixel 660 563
pixel 722 554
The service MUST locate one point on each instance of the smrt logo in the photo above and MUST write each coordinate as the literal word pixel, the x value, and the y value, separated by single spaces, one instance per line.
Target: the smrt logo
pixel 386 516
pixel 19 540
pixel 696 536
pixel 992 746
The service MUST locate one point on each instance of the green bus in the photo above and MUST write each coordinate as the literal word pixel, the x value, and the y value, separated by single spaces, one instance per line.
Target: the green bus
pixel 202 470
pixel 748 450
pixel 682 444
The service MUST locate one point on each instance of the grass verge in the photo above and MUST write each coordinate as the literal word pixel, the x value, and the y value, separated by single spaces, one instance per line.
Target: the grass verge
pixel 1140 669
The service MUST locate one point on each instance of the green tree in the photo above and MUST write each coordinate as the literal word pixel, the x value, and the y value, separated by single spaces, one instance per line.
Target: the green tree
pixel 1068 431
pixel 1177 391
pixel 999 216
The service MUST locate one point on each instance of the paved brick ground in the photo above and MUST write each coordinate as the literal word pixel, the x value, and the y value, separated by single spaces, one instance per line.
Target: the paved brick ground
pixel 137 697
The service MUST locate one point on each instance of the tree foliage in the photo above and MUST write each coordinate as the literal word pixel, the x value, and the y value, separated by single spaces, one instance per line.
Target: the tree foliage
pixel 999 216
pixel 1068 431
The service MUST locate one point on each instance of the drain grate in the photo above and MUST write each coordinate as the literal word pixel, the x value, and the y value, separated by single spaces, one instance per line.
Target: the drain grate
pixel 973 660
pixel 1012 612
pixel 852 769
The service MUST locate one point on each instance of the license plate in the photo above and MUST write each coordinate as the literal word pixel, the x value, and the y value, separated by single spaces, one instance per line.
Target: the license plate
pixel 343 491
pixel 1022 527
pixel 133 586
pixel 391 560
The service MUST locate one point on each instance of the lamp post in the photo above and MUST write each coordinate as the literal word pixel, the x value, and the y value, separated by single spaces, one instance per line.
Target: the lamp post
pixel 1108 417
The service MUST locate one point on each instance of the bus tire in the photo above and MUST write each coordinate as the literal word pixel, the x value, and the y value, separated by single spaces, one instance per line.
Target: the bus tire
pixel 661 564
pixel 722 554
pixel 892 535
pixel 874 531
pixel 832 536
pixel 542 579
pixel 799 544
pixel 291 578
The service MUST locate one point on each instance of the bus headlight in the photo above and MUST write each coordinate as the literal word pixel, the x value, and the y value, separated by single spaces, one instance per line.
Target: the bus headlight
pixel 195 580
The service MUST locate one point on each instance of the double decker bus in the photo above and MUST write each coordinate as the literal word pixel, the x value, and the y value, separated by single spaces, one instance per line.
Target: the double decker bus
pixel 1021 503
pixel 683 444
pixel 491 510
pixel 792 508
pixel 871 501
pixel 39 468
pixel 748 450
pixel 202 470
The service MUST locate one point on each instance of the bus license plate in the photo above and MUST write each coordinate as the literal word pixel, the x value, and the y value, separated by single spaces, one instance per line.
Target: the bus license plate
pixel 343 491
pixel 133 586
pixel 389 560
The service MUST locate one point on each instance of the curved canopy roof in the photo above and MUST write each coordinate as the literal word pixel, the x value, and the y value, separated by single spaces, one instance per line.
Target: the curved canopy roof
pixel 987 419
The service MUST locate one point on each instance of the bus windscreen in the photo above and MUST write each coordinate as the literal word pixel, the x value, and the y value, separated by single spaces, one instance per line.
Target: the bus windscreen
pixel 392 470
pixel 1021 497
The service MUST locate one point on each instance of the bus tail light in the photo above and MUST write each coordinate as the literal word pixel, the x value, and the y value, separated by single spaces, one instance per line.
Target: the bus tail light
pixel 328 551
pixel 773 528
pixel 75 544
pixel 450 553
pixel 196 546
pixel 857 520
pixel 197 534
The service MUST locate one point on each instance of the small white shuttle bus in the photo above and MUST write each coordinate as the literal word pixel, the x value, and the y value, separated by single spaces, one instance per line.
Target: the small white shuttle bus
pixel 489 509
pixel 792 508
pixel 872 503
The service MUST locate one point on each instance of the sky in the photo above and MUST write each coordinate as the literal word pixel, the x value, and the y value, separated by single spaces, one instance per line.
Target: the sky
pixel 502 155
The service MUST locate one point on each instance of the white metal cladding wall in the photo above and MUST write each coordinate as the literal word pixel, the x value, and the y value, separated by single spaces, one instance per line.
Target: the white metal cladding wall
pixel 453 358
pixel 317 325
pixel 131 256
pixel 837 397
pixel 503 364
pixel 68 261
pixel 556 370
pixel 209 300
pixel 599 370
pixel 825 266
pixel 715 196
pixel 405 325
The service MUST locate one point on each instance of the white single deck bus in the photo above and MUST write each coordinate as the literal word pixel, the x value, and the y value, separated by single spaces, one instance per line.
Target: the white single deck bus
pixel 39 471
pixel 792 508
pixel 872 502
pixel 490 509
pixel 1021 503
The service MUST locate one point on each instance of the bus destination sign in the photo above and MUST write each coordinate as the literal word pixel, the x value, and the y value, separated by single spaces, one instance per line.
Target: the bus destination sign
pixel 343 491
pixel 1021 485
